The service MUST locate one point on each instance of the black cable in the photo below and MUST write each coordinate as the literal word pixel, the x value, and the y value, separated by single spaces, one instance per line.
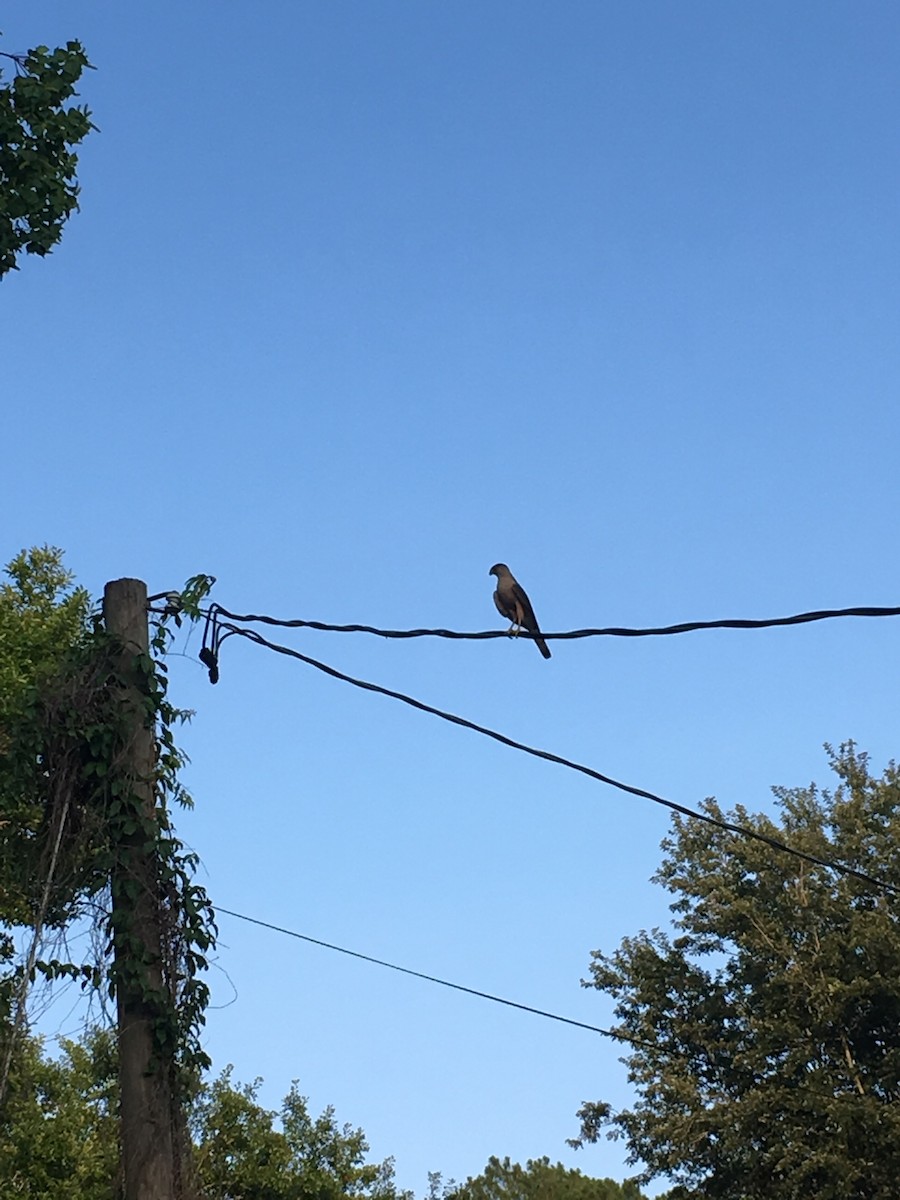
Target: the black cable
pixel 616 1035
pixel 612 631
pixel 459 987
pixel 727 826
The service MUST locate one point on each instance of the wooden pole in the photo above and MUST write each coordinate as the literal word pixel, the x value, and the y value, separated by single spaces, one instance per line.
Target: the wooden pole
pixel 146 1110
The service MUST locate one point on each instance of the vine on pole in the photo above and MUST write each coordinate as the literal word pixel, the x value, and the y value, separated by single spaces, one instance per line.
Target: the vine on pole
pixel 69 779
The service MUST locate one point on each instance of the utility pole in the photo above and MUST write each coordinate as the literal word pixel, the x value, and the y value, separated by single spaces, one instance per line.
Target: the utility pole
pixel 147 1116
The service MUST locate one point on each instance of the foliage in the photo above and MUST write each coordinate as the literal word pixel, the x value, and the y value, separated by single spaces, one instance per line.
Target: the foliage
pixel 69 806
pixel 241 1153
pixel 37 161
pixel 58 1131
pixel 537 1180
pixel 769 1063
pixel 41 617
pixel 60 1137
pixel 43 626
pixel 186 916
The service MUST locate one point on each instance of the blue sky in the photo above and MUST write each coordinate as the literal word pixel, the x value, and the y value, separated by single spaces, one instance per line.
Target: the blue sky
pixel 364 298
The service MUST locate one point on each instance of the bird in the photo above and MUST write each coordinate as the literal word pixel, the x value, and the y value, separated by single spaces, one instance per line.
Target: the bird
pixel 513 603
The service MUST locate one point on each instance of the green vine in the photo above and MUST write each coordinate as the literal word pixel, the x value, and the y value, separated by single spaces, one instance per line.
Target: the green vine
pixel 172 990
pixel 188 918
pixel 81 814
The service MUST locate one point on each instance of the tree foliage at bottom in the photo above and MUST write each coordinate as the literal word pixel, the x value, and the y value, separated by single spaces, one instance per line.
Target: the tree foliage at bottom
pixel 59 1136
pixel 769 1063
pixel 539 1179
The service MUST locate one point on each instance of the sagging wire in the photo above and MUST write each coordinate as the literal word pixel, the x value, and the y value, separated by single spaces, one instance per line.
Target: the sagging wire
pixel 805 618
pixel 216 632
pixel 459 987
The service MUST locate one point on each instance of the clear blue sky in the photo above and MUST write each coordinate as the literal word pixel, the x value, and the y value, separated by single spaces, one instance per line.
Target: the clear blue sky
pixel 365 297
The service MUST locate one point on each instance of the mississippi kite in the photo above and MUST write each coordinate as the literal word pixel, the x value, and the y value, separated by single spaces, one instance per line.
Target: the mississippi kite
pixel 513 604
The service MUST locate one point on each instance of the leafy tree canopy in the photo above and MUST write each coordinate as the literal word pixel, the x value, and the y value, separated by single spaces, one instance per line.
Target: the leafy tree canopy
pixel 769 1063
pixel 59 1136
pixel 240 1152
pixel 44 621
pixel 42 616
pixel 58 1127
pixel 38 188
pixel 67 803
pixel 537 1180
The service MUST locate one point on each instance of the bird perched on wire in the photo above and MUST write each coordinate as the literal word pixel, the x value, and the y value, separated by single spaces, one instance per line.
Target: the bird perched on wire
pixel 513 603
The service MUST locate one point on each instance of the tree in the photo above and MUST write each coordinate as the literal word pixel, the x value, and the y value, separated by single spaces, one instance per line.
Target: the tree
pixel 537 1180
pixel 38 188
pixel 43 622
pixel 766 1051
pixel 58 1136
pixel 44 629
pixel 70 800
pixel 241 1153
pixel 58 1129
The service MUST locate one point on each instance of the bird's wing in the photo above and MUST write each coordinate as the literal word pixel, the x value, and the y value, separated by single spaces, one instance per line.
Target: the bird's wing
pixel 529 620
pixel 512 602
pixel 505 604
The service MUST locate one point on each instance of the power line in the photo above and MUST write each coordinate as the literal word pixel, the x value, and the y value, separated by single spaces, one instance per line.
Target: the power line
pixel 615 1034
pixel 825 614
pixel 459 987
pixel 211 661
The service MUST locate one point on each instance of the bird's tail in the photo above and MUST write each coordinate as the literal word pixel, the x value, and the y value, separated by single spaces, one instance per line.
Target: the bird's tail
pixel 542 645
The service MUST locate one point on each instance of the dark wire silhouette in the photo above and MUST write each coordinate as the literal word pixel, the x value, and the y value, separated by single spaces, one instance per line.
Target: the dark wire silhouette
pixel 825 614
pixel 459 987
pixel 217 632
